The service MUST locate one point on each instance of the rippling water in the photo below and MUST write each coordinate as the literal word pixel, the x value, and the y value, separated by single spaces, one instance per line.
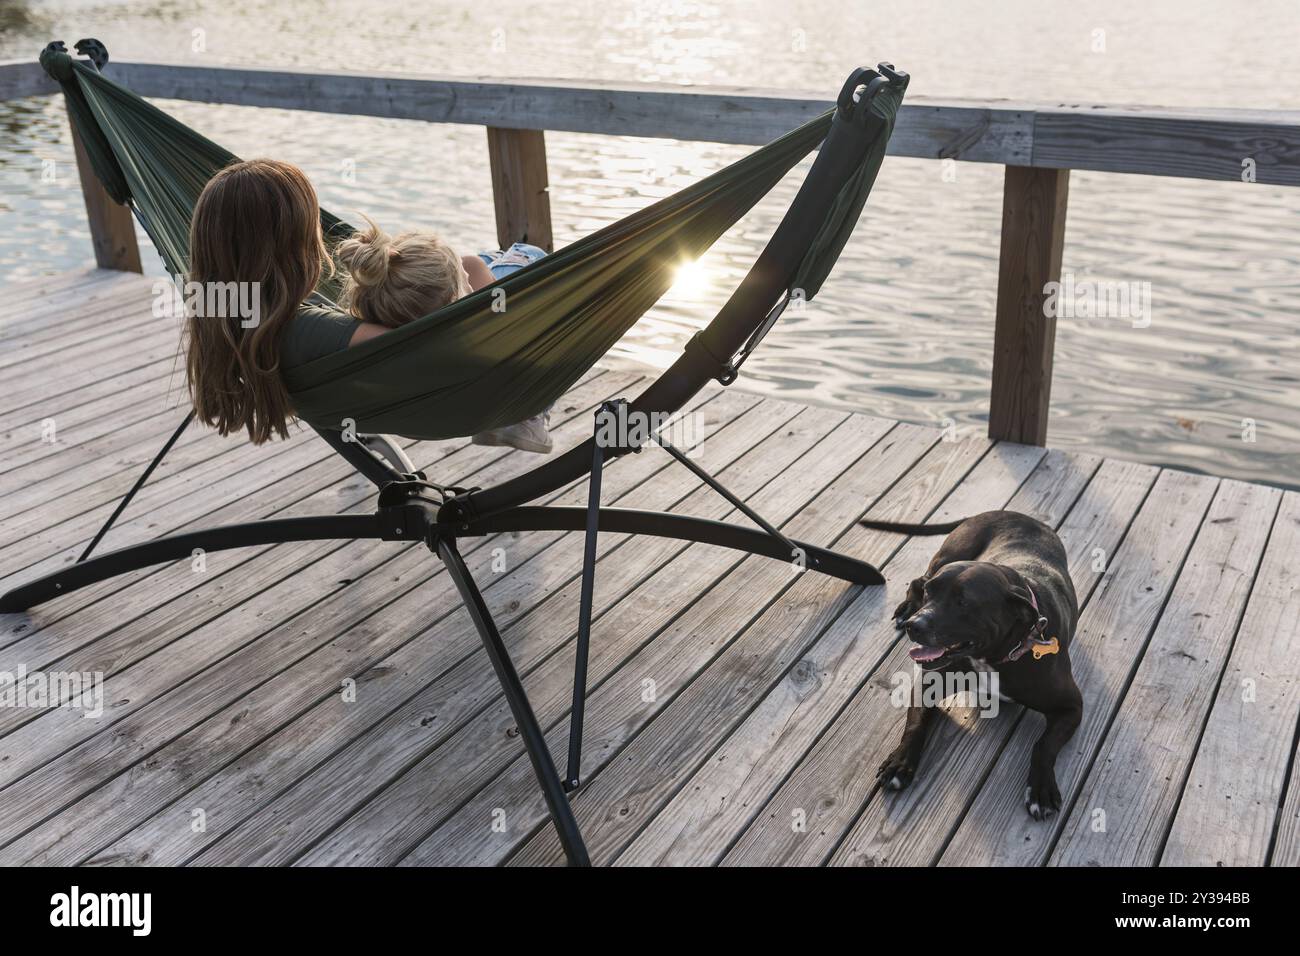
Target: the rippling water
pixel 904 327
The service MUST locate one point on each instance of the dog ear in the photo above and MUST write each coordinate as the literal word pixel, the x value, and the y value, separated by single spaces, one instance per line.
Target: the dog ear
pixel 1017 590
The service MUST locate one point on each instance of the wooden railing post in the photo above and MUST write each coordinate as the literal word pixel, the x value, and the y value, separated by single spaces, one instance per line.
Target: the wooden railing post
pixel 112 228
pixel 1033 234
pixel 520 187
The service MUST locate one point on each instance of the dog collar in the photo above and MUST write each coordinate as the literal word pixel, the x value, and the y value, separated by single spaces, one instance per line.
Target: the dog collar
pixel 1034 640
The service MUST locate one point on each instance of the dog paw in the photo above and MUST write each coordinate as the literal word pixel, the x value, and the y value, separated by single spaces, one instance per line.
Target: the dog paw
pixel 897 771
pixel 1042 798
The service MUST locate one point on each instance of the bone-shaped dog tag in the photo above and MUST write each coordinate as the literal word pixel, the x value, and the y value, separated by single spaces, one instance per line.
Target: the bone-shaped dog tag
pixel 1043 648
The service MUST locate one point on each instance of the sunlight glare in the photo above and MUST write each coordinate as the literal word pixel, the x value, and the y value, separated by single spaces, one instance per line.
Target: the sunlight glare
pixel 691 281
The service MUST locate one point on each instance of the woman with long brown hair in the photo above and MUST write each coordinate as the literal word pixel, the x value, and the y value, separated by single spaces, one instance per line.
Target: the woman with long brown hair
pixel 256 230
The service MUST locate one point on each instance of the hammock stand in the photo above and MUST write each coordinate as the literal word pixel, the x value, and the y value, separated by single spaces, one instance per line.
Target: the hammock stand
pixel 412 509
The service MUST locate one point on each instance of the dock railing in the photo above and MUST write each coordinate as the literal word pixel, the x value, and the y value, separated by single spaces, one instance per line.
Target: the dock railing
pixel 1037 143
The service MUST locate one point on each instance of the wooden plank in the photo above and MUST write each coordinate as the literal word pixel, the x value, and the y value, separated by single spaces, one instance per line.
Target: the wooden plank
pixel 1112 633
pixel 520 189
pixel 88 415
pixel 34 286
pixel 128 312
pixel 470 742
pixel 1198 143
pixel 283 696
pixel 51 300
pixel 46 379
pixel 112 228
pixel 1127 803
pixel 829 787
pixel 20 78
pixel 974 130
pixel 93 472
pixel 1033 238
pixel 238 470
pixel 711 808
pixel 198 457
pixel 1229 807
pixel 768 646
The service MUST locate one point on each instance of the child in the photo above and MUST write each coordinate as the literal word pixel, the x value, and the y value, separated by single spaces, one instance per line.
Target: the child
pixel 391 280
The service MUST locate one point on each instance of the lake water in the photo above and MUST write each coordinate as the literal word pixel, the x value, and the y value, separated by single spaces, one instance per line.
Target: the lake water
pixel 904 326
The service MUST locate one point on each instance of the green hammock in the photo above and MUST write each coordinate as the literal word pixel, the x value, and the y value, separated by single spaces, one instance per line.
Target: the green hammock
pixel 470 367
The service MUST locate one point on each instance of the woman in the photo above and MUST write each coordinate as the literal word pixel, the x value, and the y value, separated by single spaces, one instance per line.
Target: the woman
pixel 259 222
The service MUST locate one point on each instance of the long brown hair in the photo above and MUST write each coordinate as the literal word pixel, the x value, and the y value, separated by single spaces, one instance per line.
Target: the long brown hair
pixel 255 222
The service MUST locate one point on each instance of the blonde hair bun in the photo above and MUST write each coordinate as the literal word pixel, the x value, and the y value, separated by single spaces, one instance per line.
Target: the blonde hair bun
pixel 367 254
pixel 391 280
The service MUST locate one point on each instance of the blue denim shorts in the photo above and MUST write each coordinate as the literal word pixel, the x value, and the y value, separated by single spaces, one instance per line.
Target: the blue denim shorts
pixel 503 262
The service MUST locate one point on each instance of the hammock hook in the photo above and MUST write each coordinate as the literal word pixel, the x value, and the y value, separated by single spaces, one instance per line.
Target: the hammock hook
pixel 95 51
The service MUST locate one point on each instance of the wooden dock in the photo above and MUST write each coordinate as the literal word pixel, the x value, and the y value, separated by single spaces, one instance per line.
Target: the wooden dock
pixel 331 704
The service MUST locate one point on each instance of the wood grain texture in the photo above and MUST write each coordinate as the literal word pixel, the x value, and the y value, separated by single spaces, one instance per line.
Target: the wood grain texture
pixel 718 801
pixel 1196 143
pixel 1230 804
pixel 707 628
pixel 1024 335
pixel 273 674
pixel 1206 144
pixel 386 829
pixel 223 687
pixel 520 188
pixel 660 760
pixel 1125 807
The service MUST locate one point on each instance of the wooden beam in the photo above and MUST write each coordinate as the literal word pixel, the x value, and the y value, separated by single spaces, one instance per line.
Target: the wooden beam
pixel 20 78
pixel 1232 145
pixel 519 186
pixel 112 228
pixel 1033 236
pixel 1196 143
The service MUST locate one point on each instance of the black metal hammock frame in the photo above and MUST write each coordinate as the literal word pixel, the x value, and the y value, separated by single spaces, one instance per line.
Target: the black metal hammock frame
pixel 410 507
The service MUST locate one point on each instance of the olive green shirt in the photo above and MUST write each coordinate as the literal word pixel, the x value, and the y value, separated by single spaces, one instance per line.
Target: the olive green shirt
pixel 318 329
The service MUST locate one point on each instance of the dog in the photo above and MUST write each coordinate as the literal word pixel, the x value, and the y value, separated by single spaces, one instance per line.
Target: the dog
pixel 998 596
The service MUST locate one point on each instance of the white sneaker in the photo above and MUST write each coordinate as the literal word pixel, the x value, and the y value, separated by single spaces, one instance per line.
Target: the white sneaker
pixel 531 434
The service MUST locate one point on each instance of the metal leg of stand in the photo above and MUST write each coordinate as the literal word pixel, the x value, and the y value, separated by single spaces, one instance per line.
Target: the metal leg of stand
pixel 793 549
pixel 176 547
pixel 139 483
pixel 573 775
pixel 531 732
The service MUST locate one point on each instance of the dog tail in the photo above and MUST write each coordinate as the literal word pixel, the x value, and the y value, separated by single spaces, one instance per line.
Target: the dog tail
pixel 910 528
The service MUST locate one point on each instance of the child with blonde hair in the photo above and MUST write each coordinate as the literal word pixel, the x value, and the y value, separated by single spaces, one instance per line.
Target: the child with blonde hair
pixel 391 280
